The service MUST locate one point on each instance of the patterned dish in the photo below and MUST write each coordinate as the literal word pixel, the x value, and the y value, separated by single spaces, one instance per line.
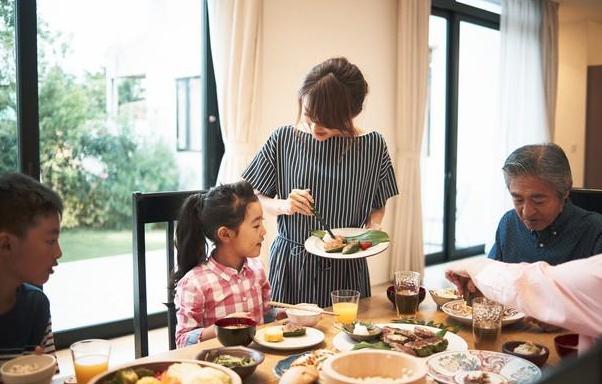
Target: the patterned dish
pixel 458 310
pixel 445 366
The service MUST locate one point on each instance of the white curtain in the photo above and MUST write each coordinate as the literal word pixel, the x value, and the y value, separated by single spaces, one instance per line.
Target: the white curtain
pixel 412 68
pixel 235 31
pixel 549 42
pixel 524 118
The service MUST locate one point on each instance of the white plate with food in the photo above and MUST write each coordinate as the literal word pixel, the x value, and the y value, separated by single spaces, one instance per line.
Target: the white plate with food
pixel 344 342
pixel 447 367
pixel 315 244
pixel 458 310
pixel 273 337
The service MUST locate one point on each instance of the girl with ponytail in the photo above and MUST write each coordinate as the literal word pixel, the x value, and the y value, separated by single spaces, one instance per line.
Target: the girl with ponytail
pixel 227 279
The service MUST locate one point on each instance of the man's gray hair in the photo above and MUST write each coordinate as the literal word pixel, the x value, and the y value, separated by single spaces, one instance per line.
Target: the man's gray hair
pixel 545 161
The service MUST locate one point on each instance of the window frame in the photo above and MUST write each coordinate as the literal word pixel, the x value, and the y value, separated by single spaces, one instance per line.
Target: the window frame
pixel 455 13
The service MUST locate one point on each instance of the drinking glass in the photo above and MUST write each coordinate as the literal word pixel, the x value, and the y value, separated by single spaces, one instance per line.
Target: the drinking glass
pixel 407 288
pixel 344 305
pixel 486 323
pixel 90 357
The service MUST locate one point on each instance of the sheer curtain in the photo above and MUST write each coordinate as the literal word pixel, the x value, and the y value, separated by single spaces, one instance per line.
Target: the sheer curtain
pixel 529 66
pixel 412 68
pixel 235 32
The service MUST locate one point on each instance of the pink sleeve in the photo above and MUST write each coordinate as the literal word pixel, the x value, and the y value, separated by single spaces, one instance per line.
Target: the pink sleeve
pixel 266 292
pixel 189 300
pixel 566 295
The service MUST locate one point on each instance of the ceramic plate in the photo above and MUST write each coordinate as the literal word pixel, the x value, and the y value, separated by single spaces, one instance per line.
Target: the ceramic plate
pixel 343 342
pixel 493 378
pixel 445 366
pixel 315 245
pixel 284 364
pixel 458 310
pixel 312 337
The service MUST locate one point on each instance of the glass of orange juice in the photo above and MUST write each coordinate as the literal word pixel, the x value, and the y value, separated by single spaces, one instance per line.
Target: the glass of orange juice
pixel 90 357
pixel 344 305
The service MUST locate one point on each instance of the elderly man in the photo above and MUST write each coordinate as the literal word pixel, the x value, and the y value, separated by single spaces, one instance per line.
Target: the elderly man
pixel 544 225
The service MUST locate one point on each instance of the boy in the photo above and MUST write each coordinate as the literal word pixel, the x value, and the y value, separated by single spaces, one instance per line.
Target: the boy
pixel 30 215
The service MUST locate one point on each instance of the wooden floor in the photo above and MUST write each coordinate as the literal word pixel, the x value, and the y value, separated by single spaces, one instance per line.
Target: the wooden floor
pixel 122 348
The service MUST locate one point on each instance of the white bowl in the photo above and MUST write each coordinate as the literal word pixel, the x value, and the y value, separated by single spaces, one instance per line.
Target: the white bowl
pixel 355 367
pixel 304 318
pixel 29 369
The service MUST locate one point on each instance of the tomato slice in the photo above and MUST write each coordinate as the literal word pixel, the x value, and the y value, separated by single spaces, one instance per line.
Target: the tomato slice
pixel 365 245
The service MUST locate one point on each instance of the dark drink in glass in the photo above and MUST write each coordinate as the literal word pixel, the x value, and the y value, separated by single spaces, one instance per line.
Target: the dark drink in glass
pixel 486 335
pixel 406 302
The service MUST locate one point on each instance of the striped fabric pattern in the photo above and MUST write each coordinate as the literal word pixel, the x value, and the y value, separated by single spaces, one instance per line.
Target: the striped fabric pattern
pixel 211 291
pixel 348 178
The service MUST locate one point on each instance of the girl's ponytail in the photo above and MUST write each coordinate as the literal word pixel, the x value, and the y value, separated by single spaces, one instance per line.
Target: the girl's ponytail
pixel 190 236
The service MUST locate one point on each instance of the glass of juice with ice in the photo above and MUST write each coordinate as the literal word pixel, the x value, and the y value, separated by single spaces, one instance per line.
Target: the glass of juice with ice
pixel 90 357
pixel 344 305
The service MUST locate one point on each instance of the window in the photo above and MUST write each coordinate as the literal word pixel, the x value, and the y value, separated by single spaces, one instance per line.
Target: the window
pixel 189 117
pixel 463 75
pixel 107 127
pixel 8 93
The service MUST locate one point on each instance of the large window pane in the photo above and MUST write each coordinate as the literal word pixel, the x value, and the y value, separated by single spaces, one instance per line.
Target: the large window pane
pixel 433 143
pixel 477 117
pixel 108 126
pixel 8 95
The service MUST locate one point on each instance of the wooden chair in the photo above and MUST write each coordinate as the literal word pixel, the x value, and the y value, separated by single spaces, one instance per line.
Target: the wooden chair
pixel 147 208
pixel 590 199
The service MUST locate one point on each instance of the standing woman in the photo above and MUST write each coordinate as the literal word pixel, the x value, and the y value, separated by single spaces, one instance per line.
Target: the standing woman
pixel 328 161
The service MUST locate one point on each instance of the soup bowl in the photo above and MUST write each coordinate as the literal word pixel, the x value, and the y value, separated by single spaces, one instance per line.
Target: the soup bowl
pixel 538 358
pixel 29 369
pixel 235 330
pixel 566 345
pixel 391 294
pixel 213 356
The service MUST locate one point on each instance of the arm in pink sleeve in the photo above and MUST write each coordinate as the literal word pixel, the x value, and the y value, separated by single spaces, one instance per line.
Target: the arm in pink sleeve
pixel 566 295
pixel 189 300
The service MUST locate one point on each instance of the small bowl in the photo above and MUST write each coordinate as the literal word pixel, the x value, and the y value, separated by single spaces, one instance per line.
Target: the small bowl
pixel 539 359
pixel 566 345
pixel 42 368
pixel 436 294
pixel 304 318
pixel 211 354
pixel 374 332
pixel 391 294
pixel 352 367
pixel 158 366
pixel 235 330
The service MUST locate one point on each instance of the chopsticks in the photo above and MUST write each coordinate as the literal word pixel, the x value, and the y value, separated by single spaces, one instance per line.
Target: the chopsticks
pixel 322 221
pixel 308 308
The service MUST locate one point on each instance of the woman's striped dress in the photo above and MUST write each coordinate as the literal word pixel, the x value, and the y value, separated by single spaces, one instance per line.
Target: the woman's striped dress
pixel 348 178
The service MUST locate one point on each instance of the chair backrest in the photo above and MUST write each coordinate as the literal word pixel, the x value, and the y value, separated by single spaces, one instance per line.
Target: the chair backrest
pixel 147 208
pixel 590 199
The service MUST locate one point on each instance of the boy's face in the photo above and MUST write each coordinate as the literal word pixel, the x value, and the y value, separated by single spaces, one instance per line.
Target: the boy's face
pixel 32 256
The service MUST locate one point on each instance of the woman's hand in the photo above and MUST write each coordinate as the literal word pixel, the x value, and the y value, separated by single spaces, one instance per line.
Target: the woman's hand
pixel 300 201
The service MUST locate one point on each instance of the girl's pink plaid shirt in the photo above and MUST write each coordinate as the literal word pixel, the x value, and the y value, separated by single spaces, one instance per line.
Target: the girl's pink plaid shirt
pixel 211 291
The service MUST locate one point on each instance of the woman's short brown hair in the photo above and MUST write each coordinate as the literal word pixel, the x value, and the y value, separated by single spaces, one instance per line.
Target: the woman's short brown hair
pixel 334 93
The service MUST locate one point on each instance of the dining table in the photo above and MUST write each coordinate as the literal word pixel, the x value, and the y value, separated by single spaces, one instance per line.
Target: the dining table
pixel 376 309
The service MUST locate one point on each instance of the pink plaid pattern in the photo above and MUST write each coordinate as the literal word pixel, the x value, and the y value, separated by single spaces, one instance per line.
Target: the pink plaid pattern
pixel 211 291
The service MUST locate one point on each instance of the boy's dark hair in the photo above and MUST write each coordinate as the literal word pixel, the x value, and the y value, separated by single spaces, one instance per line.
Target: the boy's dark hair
pixel 22 200
pixel 202 215
pixel 334 93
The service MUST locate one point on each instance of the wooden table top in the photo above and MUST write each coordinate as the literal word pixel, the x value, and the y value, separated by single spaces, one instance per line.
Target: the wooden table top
pixel 376 309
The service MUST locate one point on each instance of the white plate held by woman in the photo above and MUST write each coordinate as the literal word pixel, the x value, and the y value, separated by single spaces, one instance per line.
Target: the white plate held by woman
pixel 315 245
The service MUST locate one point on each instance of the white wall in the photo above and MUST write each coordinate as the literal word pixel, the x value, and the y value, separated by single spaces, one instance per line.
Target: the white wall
pixel 299 34
pixel 579 45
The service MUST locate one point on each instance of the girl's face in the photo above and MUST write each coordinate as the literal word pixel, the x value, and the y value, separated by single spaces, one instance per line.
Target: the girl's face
pixel 251 232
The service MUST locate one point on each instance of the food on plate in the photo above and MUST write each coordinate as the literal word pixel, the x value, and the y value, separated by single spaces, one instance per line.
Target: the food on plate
pixel 447 293
pixel 527 348
pixel 312 359
pixel 420 342
pixel 273 335
pixel 459 308
pixel 300 375
pixel 351 244
pixel 177 373
pixel 360 329
pixel 293 330
pixel 230 361
pixel 477 377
